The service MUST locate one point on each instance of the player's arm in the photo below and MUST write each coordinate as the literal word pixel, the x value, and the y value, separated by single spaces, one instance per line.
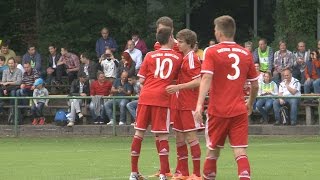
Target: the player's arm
pixel 203 91
pixel 253 94
pixel 189 85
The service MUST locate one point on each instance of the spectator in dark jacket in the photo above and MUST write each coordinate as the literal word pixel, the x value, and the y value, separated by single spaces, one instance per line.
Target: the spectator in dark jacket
pixel 105 42
pixel 88 67
pixel 53 59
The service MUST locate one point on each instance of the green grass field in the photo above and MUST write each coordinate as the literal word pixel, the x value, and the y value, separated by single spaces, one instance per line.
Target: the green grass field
pixel 83 158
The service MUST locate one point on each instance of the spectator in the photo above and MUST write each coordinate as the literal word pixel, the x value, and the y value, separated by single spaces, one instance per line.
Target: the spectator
pixel 300 59
pixel 68 64
pixel 18 60
pixel 290 86
pixel 126 65
pixel 79 87
pixel 88 67
pixel 266 88
pixel 28 78
pixel 139 43
pixel 264 56
pixel 3 66
pixel 249 46
pixel 38 104
pixel 135 54
pixel 120 87
pixel 283 59
pixel 198 51
pixel 33 57
pixel 6 52
pixel 132 106
pixel 53 59
pixel 312 73
pixel 109 65
pixel 100 87
pixel 105 42
pixel 261 74
pixel 211 42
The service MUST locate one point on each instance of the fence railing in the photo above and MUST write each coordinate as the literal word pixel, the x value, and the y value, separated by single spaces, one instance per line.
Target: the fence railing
pixel 113 98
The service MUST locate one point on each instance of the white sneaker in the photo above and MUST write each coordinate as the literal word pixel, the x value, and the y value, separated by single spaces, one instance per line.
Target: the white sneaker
pixel 121 123
pixel 162 177
pixel 80 115
pixel 136 176
pixel 70 124
pixel 110 123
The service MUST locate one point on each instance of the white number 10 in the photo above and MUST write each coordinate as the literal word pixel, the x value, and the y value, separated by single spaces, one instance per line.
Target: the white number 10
pixel 234 66
pixel 160 68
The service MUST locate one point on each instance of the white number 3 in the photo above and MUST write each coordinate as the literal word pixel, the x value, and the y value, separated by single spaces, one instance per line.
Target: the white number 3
pixel 235 66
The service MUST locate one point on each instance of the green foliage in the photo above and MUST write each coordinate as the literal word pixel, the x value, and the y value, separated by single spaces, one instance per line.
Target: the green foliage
pixel 296 20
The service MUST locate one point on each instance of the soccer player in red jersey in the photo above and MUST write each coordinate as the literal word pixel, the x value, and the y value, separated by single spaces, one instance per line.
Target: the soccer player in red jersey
pixel 226 68
pixel 187 91
pixel 157 71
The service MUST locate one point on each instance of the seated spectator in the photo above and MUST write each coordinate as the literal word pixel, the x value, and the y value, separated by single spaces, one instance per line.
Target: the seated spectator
pixel 132 106
pixel 3 66
pixel 312 74
pixel 11 80
pixel 257 66
pixel 126 65
pixel 266 88
pixel 299 63
pixel 136 54
pixel 105 42
pixel 139 43
pixel 53 59
pixel 109 65
pixel 18 60
pixel 38 104
pixel 249 46
pixel 79 87
pixel 120 87
pixel 290 86
pixel 32 57
pixel 264 56
pixel 28 79
pixel 88 67
pixel 68 64
pixel 283 59
pixel 198 51
pixel 211 42
pixel 99 88
pixel 6 52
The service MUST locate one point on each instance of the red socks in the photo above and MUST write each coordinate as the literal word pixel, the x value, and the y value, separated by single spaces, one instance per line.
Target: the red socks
pixel 164 156
pixel 196 155
pixel 210 168
pixel 182 159
pixel 243 167
pixel 135 153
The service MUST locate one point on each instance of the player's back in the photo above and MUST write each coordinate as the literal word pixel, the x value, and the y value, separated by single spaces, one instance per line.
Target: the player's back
pixel 232 66
pixel 159 69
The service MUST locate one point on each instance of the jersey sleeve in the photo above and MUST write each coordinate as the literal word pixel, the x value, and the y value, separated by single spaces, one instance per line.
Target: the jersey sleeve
pixel 252 73
pixel 208 64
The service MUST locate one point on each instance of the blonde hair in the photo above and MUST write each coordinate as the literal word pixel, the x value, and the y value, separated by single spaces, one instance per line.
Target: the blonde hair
pixel 226 25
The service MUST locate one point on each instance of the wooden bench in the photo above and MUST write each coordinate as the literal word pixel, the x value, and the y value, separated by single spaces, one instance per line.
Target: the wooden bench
pixel 309 112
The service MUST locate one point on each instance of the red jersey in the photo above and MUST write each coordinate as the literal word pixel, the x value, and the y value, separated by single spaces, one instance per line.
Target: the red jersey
pixel 157 46
pixel 159 69
pixel 190 70
pixel 231 66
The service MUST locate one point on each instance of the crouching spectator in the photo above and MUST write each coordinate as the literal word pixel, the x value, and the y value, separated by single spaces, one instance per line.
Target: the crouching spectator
pixel 99 88
pixel 266 88
pixel 38 104
pixel 132 106
pixel 79 87
pixel 288 87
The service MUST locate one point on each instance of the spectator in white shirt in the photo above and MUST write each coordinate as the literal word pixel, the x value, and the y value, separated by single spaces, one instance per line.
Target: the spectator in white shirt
pixel 109 65
pixel 135 54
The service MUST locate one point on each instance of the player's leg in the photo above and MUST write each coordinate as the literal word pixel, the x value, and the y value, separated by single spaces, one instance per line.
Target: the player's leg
pixel 210 164
pixel 164 153
pixel 195 149
pixel 238 136
pixel 182 169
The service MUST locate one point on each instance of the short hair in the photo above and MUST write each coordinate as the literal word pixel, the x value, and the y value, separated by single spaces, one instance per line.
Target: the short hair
pixel 11 58
pixel 85 55
pixel 105 28
pixel 27 62
pixel 82 75
pixel 166 21
pixel 52 45
pixel 187 35
pixel 264 40
pixel 163 35
pixel 2 58
pixel 248 43
pixel 282 42
pixel 99 73
pixel 31 46
pixel 135 33
pixel 65 48
pixel 269 73
pixel 226 25
pixel 4 44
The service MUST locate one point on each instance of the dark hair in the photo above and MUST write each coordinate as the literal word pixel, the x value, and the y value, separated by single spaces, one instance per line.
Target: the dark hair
pixel 52 45
pixel 31 46
pixel 85 55
pixel 4 44
pixel 82 75
pixel 163 35
pixel 2 58
pixel 264 40
pixel 65 48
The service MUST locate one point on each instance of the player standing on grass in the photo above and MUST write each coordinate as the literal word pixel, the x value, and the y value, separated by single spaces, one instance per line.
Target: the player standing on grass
pixel 226 68
pixel 187 90
pixel 157 71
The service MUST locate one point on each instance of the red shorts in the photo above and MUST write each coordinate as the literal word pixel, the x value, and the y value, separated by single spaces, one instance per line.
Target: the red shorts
pixel 218 128
pixel 158 117
pixel 184 121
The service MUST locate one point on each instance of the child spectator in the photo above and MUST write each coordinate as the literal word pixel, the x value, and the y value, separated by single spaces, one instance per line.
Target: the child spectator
pixel 38 104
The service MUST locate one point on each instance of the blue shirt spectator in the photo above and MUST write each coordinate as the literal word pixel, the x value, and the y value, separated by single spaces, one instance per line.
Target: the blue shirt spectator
pixel 105 42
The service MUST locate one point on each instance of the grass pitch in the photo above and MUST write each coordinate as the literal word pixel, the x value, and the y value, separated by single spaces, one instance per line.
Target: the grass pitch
pixel 99 158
